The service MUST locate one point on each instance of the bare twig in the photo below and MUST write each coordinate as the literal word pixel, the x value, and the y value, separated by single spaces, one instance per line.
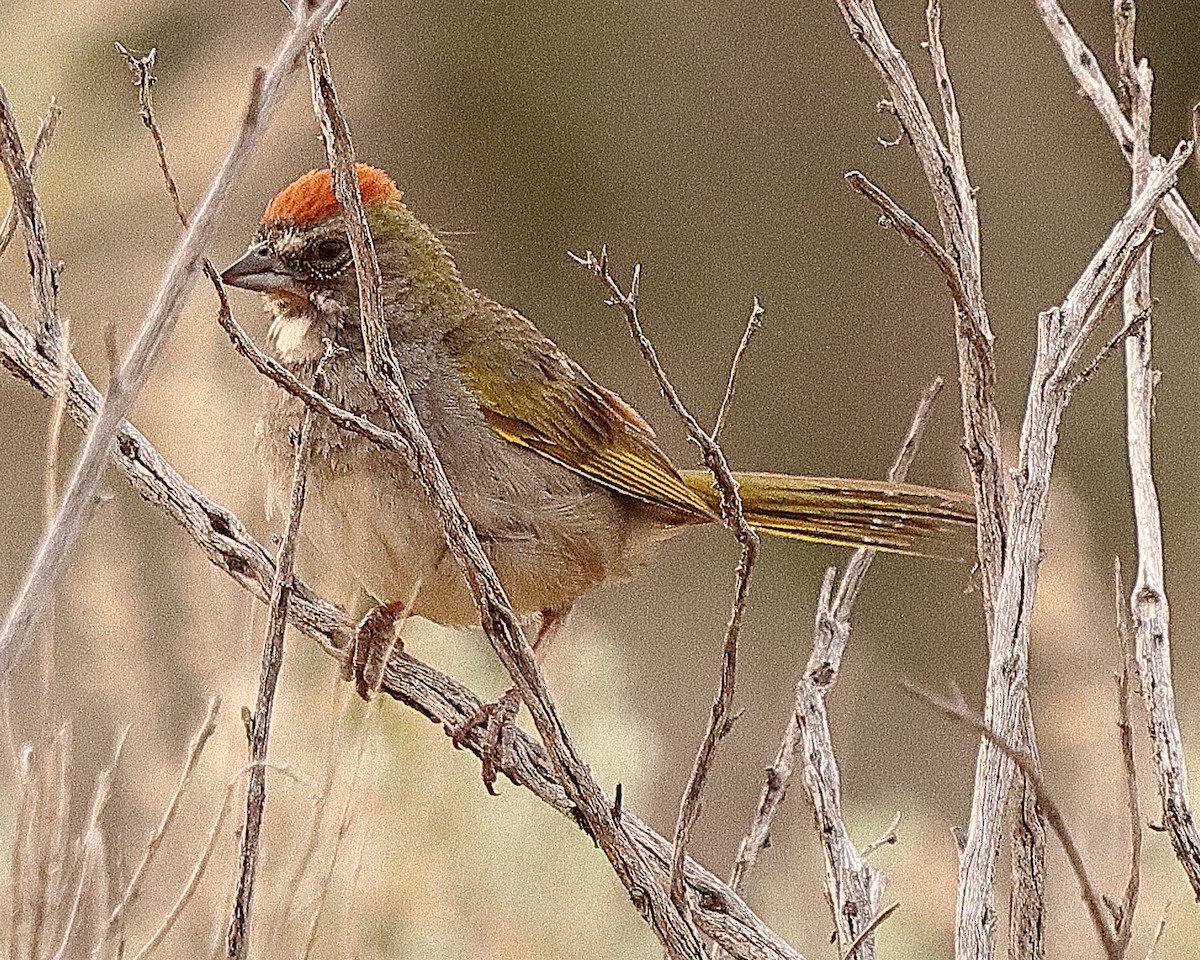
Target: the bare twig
pixel 1131 329
pixel 1148 604
pixel 501 626
pixel 752 325
pixel 1159 930
pixel 717 909
pixel 43 282
pixel 56 545
pixel 1124 913
pixel 889 836
pixel 259 729
pixel 1025 762
pixel 194 878
pixel 41 143
pixel 896 217
pixel 719 722
pixel 133 888
pixel 869 929
pixel 348 812
pixel 807 719
pixel 142 69
pixel 1087 73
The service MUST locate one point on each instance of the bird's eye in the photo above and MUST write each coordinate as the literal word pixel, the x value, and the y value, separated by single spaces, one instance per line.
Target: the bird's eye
pixel 329 250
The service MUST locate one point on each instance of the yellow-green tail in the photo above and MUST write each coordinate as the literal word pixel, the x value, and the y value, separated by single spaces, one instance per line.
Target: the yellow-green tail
pixel 896 517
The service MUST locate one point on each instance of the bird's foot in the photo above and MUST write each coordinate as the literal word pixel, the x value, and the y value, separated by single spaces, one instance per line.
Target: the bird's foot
pixel 375 640
pixel 499 721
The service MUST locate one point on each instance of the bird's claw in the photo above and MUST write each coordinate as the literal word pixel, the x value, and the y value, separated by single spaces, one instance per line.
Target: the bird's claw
pixel 367 656
pixel 499 722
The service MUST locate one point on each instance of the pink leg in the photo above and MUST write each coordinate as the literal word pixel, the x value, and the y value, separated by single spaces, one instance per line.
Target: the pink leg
pixel 500 717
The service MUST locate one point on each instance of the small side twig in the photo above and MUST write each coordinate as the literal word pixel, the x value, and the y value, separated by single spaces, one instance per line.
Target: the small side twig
pixel 869 929
pixel 752 325
pixel 133 887
pixel 259 730
pixel 142 69
pixel 829 638
pixel 720 721
pixel 41 143
pixel 895 216
pixel 1054 816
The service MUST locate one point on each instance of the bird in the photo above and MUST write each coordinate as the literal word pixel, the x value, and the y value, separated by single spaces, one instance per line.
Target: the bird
pixel 563 481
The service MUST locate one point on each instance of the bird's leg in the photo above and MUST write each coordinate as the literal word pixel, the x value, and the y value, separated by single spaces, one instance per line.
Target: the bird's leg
pixel 375 639
pixel 499 718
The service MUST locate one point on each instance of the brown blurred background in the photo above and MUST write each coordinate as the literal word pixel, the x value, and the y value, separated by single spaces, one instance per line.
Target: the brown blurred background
pixel 708 141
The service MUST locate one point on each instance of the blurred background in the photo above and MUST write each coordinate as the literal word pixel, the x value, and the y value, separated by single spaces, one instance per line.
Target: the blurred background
pixel 708 141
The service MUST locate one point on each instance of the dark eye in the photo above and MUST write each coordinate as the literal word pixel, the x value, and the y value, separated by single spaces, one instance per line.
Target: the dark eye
pixel 330 250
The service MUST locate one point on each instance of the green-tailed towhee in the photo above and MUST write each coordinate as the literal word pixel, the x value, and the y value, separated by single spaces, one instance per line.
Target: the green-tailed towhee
pixel 561 478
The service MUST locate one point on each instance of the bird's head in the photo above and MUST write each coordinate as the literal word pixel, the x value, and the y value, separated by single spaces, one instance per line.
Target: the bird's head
pixel 300 260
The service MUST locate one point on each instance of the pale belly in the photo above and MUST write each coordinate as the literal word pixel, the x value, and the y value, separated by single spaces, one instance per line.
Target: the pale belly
pixel 550 535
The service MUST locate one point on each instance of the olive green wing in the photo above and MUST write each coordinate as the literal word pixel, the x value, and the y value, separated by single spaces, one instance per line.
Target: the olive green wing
pixel 535 396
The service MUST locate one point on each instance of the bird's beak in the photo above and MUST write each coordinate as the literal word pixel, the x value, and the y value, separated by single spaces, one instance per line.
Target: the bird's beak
pixel 259 269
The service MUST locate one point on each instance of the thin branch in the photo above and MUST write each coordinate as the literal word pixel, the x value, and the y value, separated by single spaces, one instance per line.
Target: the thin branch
pixel 500 625
pixel 54 550
pixel 1159 930
pixel 41 143
pixel 899 219
pixel 194 878
pixel 1148 603
pixel 1087 73
pixel 258 731
pixel 142 69
pixel 1025 762
pixel 133 888
pixel 829 638
pixel 720 721
pixel 1131 329
pixel 43 281
pixel 1124 913
pixel 716 909
pixel 752 325
pixel 870 928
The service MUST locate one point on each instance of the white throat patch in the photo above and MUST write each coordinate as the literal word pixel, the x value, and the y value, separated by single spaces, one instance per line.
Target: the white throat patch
pixel 289 332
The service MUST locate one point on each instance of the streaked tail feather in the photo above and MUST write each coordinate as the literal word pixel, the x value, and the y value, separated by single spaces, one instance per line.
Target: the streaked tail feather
pixel 895 517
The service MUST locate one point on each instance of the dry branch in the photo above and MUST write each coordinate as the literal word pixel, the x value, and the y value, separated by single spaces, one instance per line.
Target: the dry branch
pixel 847 872
pixel 41 143
pixel 1010 546
pixel 720 721
pixel 133 887
pixel 36 591
pixel 716 909
pixel 1087 73
pixel 258 729
pixel 1148 605
pixel 1028 766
